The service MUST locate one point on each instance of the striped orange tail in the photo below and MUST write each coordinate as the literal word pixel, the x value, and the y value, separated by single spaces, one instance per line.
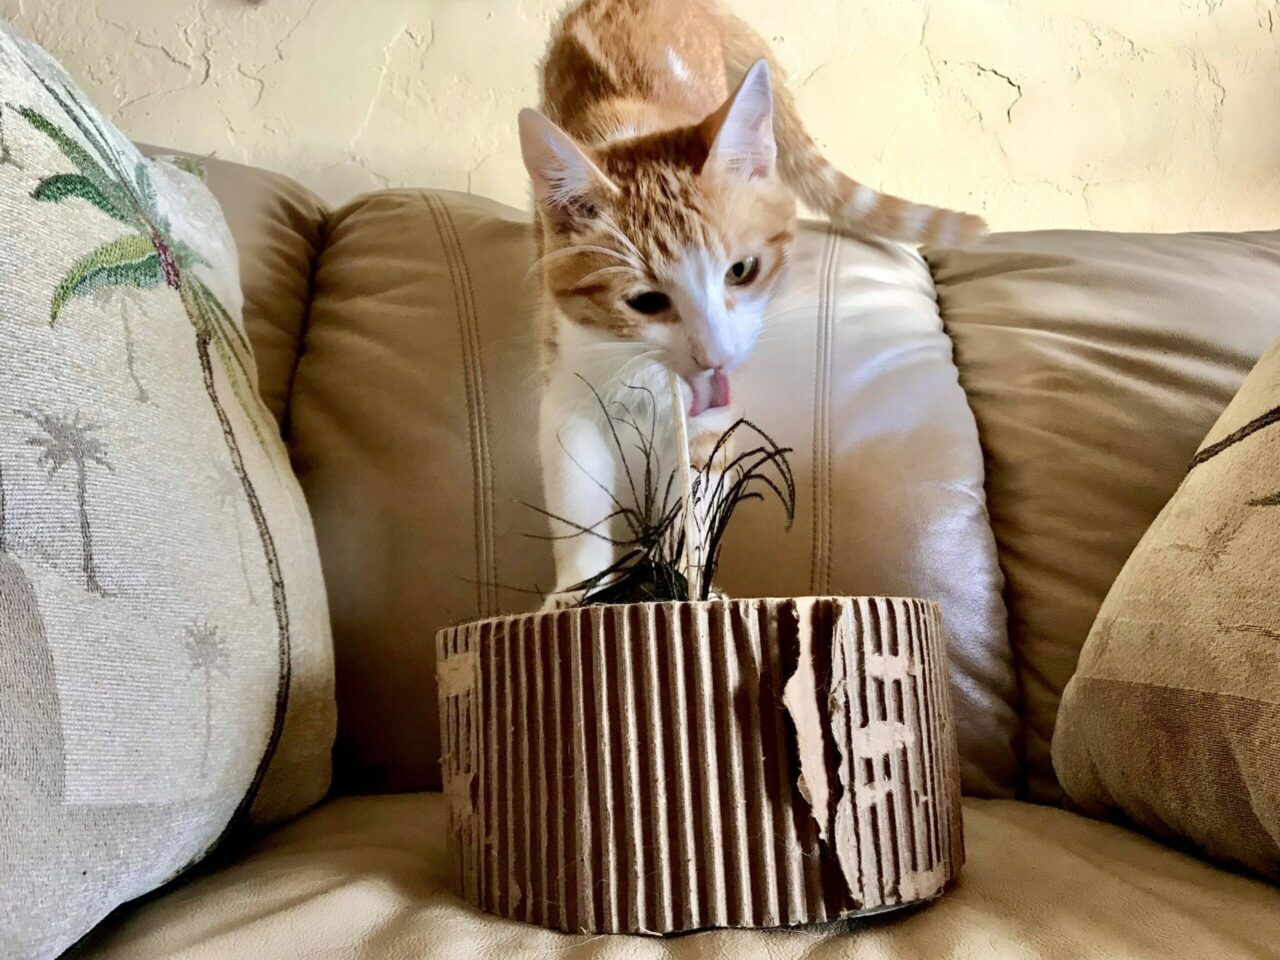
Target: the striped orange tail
pixel 852 207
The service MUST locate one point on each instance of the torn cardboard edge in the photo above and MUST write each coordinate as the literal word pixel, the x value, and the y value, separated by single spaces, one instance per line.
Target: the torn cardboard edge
pixel 654 768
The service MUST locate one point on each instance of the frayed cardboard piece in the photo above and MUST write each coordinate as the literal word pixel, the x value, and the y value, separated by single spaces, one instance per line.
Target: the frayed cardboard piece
pixel 654 768
pixel 801 698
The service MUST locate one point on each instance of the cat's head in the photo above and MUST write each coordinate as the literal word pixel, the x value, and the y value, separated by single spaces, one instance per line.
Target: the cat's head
pixel 677 238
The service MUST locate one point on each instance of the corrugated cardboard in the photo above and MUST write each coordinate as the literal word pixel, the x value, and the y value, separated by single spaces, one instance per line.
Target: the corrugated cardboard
pixel 652 768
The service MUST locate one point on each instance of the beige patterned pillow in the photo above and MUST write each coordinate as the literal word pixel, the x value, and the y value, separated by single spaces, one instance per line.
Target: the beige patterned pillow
pixel 165 661
pixel 1173 716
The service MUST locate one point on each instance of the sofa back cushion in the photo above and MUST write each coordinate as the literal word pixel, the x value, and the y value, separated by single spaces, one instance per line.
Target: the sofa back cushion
pixel 1094 364
pixel 414 424
pixel 165 665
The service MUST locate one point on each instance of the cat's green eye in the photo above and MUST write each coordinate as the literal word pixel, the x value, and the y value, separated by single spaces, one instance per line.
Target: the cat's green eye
pixel 742 272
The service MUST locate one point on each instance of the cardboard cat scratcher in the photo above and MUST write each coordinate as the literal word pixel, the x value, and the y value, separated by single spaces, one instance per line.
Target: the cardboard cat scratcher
pixel 653 768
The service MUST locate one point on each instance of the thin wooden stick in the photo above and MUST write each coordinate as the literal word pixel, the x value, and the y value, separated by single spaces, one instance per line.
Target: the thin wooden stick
pixel 691 562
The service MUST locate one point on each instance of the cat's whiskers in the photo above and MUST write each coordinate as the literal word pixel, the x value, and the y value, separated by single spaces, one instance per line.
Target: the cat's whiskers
pixel 780 318
pixel 613 371
pixel 605 271
pixel 648 358
pixel 610 371
pixel 582 248
pixel 606 223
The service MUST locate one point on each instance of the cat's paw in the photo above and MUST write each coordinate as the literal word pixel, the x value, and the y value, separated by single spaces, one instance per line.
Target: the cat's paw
pixel 564 600
pixel 715 593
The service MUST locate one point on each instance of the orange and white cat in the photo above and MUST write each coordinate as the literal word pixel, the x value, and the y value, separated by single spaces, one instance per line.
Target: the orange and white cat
pixel 666 162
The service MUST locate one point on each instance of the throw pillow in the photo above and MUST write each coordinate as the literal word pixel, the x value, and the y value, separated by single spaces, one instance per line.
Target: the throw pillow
pixel 165 660
pixel 1173 717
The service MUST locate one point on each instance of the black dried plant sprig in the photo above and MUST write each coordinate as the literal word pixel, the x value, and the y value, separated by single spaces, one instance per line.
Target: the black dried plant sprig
pixel 763 468
pixel 649 568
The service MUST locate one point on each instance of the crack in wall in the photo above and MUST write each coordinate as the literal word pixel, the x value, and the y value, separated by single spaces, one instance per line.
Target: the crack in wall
pixel 475 168
pixel 203 62
pixel 1102 35
pixel 1016 86
pixel 1211 72
pixel 990 71
pixel 888 141
pixel 383 81
pixel 297 25
pixel 280 57
pixel 135 37
pixel 262 85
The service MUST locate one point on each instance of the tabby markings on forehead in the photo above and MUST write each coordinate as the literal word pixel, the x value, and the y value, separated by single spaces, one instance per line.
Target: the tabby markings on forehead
pixel 589 45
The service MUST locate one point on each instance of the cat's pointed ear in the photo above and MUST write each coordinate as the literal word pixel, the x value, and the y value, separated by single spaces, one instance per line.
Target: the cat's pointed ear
pixel 566 181
pixel 740 133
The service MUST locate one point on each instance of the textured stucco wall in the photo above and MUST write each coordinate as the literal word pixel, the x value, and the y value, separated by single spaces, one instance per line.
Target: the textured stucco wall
pixel 1122 114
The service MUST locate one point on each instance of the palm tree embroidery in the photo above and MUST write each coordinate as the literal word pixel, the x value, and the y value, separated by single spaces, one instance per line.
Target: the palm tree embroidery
pixel 150 256
pixel 206 655
pixel 70 440
pixel 1261 422
pixel 227 489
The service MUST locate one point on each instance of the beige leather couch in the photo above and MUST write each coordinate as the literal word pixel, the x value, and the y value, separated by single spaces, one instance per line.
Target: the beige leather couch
pixel 394 341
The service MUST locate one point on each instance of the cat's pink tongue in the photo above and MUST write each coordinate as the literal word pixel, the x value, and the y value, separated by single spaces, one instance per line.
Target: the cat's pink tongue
pixel 710 390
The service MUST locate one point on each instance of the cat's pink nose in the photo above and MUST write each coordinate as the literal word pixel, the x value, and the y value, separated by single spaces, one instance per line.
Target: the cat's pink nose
pixel 712 360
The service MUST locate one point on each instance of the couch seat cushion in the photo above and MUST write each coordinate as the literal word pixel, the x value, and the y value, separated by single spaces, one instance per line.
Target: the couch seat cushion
pixel 366 878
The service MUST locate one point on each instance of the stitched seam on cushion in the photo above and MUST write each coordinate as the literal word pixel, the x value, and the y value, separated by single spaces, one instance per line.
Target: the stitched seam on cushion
pixel 830 323
pixel 438 215
pixel 482 424
pixel 819 567
pixel 819 394
pixel 433 205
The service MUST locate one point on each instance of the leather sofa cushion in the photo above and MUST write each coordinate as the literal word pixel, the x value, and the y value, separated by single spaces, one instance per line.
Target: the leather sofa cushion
pixel 1094 364
pixel 413 414
pixel 414 421
pixel 367 877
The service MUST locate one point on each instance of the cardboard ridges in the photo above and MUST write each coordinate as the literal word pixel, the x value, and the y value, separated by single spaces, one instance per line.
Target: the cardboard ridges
pixel 653 768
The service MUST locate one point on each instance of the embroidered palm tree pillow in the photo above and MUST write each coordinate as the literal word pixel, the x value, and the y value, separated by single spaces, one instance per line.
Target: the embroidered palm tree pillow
pixel 165 663
pixel 1173 717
